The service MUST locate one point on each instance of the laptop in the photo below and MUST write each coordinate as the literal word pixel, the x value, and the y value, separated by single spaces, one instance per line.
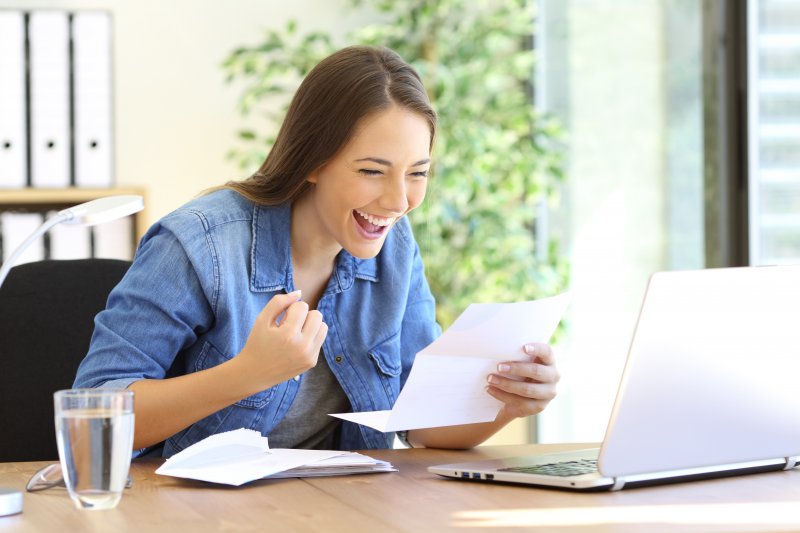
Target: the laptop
pixel 711 388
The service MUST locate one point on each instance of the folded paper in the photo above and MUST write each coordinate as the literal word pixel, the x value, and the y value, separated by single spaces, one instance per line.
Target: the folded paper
pixel 447 384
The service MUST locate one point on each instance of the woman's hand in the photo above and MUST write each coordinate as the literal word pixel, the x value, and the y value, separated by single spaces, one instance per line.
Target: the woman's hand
pixel 277 350
pixel 525 387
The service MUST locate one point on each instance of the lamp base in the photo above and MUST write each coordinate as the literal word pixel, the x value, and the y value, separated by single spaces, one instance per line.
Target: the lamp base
pixel 10 502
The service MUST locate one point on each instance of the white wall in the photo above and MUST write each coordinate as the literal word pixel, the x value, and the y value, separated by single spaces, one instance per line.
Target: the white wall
pixel 175 118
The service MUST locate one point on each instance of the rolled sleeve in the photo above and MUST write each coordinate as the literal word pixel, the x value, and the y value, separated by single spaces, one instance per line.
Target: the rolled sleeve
pixel 158 309
pixel 118 383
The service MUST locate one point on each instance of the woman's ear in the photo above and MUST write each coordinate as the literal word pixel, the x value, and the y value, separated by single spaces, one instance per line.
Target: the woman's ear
pixel 313 177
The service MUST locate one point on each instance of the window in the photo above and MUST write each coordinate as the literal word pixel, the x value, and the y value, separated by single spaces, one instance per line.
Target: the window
pixel 774 115
pixel 626 80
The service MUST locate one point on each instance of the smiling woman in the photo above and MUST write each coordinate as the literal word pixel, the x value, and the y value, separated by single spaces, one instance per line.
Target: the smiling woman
pixel 270 302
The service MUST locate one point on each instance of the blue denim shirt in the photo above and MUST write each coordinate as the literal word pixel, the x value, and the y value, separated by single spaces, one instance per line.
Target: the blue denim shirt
pixel 204 272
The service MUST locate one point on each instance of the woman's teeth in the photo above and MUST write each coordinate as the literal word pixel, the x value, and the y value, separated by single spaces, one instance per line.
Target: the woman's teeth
pixel 378 221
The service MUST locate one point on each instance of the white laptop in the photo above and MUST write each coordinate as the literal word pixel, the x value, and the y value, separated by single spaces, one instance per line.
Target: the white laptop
pixel 711 388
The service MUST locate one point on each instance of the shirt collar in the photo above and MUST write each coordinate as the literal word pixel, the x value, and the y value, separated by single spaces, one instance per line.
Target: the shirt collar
pixel 271 257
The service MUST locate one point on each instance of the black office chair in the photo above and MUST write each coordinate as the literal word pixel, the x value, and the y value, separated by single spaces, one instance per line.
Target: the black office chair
pixel 47 311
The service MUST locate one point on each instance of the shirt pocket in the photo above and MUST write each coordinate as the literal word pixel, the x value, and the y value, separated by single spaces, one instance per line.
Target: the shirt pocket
pixel 386 356
pixel 210 357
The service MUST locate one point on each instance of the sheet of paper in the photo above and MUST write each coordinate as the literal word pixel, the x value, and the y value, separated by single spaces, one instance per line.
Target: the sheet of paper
pixel 446 385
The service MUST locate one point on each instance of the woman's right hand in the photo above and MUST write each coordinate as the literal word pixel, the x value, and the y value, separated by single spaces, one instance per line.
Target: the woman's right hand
pixel 272 354
pixel 278 351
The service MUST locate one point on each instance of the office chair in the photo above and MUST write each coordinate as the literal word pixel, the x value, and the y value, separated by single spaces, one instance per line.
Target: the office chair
pixel 47 311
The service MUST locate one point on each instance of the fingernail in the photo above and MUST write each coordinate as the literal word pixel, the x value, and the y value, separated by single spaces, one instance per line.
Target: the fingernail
pixel 530 349
pixel 493 379
pixel 297 294
pixel 503 367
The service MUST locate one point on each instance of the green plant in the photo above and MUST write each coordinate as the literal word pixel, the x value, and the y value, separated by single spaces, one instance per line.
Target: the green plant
pixel 495 157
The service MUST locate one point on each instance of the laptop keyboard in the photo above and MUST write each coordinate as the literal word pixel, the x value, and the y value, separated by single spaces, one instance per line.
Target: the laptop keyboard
pixel 561 469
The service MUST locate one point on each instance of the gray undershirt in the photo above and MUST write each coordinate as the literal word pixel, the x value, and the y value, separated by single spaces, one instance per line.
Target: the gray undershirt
pixel 307 424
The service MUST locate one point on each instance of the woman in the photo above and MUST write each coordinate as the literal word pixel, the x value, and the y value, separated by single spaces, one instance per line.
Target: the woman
pixel 299 292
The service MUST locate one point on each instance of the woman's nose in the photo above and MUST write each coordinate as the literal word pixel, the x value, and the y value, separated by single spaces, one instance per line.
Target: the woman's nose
pixel 395 196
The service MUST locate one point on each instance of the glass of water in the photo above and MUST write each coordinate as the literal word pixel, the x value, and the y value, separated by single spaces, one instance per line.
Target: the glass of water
pixel 94 432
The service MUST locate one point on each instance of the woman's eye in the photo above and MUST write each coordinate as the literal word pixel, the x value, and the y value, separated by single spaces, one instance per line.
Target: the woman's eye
pixel 370 172
pixel 421 174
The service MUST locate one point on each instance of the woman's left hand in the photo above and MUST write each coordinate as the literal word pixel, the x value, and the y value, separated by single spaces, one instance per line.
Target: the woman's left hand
pixel 525 387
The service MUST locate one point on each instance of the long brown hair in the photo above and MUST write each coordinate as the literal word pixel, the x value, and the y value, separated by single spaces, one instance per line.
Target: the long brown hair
pixel 341 90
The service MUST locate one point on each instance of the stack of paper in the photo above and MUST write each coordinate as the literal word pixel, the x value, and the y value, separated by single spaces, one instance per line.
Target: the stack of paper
pixel 243 455
pixel 346 463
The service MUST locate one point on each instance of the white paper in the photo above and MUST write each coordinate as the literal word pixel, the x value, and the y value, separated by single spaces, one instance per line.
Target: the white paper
pixel 237 457
pixel 446 385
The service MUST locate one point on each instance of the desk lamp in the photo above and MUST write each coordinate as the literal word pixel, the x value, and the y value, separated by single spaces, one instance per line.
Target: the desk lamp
pixel 86 214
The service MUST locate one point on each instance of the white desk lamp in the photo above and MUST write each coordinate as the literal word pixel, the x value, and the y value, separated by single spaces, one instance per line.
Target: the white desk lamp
pixel 87 214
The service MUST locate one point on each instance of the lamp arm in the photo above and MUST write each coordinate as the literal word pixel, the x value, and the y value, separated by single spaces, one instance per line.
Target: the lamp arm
pixel 41 230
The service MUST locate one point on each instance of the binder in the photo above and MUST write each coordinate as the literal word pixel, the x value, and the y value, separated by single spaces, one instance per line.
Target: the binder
pixel 69 241
pixel 13 106
pixel 114 240
pixel 15 228
pixel 48 36
pixel 91 64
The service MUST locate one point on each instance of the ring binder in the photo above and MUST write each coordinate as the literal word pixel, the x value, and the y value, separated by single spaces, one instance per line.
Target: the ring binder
pixel 48 34
pixel 13 105
pixel 91 65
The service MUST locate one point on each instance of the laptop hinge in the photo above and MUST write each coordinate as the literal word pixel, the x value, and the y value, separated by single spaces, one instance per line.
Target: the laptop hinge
pixel 619 482
pixel 791 462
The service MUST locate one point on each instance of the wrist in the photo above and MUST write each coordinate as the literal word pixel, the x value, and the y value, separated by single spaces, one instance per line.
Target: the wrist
pixel 504 417
pixel 240 378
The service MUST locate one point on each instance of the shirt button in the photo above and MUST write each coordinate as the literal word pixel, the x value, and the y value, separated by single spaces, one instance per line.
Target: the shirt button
pixel 297 378
pixel 338 358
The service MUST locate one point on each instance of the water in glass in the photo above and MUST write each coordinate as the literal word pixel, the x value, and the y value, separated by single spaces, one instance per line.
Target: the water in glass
pixel 94 446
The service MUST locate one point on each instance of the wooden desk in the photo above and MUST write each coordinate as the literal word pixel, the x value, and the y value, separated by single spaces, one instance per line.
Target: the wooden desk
pixel 412 500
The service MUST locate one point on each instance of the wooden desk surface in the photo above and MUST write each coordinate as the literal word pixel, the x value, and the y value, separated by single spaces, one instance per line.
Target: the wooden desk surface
pixel 412 500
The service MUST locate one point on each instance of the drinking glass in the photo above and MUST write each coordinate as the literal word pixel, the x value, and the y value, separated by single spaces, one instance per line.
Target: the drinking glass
pixel 94 432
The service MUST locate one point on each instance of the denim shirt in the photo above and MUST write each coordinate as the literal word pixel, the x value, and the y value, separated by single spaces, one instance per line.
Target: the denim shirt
pixel 204 272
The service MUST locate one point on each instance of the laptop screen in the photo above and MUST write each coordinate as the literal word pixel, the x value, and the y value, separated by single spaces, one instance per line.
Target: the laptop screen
pixel 712 371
